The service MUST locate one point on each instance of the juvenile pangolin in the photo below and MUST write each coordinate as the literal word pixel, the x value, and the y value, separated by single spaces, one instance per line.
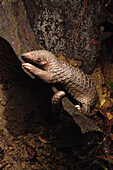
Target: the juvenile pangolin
pixel 72 80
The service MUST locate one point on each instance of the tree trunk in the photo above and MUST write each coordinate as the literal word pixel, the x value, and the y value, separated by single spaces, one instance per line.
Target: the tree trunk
pixel 55 23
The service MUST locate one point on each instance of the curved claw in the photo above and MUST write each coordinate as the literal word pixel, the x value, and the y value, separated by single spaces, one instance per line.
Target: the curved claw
pixel 27 66
pixel 28 72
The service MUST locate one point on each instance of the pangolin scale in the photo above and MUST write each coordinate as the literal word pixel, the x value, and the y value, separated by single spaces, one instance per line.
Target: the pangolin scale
pixel 72 80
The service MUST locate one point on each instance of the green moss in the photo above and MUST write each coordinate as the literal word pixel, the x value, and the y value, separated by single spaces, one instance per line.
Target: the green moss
pixel 12 13
pixel 21 43
pixel 9 32
pixel 25 51
pixel 2 34
pixel 14 18
pixel 8 29
pixel 11 1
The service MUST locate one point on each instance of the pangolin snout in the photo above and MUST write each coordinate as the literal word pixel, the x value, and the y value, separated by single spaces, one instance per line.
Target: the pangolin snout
pixel 26 57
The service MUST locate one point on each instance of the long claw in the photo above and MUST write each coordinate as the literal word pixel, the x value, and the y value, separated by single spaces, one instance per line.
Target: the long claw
pixel 27 66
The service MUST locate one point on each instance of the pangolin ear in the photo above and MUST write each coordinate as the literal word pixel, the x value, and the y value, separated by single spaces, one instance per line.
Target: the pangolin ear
pixel 44 62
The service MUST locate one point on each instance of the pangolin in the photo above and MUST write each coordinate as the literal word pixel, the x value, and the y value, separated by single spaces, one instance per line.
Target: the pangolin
pixel 72 80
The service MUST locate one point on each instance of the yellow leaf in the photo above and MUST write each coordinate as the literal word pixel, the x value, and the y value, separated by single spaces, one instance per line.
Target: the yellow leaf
pixel 102 102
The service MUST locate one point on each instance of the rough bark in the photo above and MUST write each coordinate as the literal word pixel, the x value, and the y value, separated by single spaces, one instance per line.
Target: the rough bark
pixel 55 24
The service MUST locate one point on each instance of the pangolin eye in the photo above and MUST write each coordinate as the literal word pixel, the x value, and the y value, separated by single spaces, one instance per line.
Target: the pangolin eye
pixel 39 58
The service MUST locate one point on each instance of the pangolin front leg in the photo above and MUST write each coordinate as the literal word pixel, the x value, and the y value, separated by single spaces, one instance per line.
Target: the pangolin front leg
pixel 43 75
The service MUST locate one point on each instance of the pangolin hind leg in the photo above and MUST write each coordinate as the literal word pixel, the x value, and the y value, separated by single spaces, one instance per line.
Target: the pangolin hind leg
pixel 85 109
pixel 56 101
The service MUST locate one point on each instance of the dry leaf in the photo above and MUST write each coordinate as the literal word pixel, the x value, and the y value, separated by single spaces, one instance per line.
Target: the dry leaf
pixel 111 136
pixel 109 115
